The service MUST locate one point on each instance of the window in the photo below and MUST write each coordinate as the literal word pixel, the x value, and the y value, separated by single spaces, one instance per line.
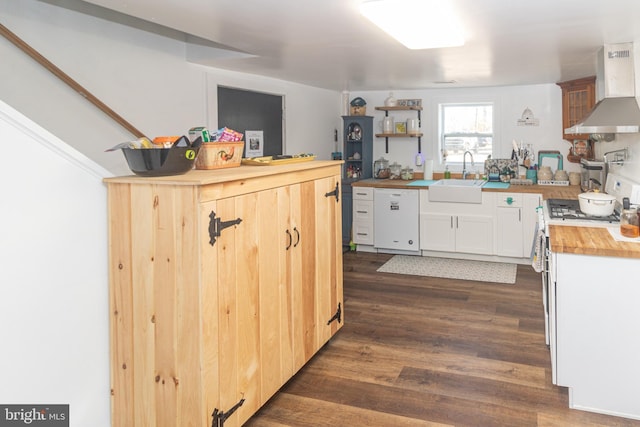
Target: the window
pixel 466 127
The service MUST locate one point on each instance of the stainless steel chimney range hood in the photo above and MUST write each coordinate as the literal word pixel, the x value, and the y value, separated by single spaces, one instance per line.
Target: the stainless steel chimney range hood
pixel 617 110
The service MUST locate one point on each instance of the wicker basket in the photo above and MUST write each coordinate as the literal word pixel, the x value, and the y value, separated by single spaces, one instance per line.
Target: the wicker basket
pixel 218 155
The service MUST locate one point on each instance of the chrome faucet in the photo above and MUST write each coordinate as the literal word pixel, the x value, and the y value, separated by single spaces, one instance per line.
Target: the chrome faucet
pixel 464 164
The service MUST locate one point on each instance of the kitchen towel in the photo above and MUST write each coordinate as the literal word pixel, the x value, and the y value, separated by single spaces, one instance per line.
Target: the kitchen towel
pixel 538 257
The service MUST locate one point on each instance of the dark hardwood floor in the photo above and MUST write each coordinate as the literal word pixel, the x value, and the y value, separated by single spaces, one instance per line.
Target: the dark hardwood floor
pixel 421 351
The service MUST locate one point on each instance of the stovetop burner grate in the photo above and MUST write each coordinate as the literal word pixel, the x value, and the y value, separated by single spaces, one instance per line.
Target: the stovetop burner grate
pixel 567 209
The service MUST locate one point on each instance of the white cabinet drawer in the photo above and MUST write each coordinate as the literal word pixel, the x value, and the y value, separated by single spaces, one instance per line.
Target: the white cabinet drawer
pixel 362 193
pixel 363 233
pixel 363 210
pixel 509 200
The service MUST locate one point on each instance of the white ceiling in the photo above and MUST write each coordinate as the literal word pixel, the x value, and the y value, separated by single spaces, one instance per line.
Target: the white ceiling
pixel 327 44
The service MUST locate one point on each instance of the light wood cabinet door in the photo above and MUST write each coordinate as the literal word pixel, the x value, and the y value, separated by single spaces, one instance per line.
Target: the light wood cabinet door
pixel 318 296
pixel 257 268
pixel 328 258
pixel 277 289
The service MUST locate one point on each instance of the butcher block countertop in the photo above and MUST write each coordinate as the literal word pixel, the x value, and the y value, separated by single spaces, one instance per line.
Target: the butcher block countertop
pixel 590 241
pixel 547 191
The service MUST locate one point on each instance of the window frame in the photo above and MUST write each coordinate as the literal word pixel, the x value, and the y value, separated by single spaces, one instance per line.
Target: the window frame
pixel 441 106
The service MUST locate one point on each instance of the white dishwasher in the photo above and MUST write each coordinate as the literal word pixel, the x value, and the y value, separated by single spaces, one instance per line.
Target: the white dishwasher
pixel 396 224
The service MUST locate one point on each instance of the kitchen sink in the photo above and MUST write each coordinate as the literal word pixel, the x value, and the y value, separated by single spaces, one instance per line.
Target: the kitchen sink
pixel 460 182
pixel 456 190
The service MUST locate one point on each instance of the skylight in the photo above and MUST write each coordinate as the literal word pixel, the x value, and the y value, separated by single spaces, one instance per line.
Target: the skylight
pixel 417 24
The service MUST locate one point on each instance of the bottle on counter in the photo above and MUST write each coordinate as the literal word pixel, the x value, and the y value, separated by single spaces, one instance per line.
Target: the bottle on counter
pixel 629 226
pixel 447 173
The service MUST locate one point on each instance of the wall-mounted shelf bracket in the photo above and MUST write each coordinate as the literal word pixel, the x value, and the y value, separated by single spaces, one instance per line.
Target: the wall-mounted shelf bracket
pixel 386 136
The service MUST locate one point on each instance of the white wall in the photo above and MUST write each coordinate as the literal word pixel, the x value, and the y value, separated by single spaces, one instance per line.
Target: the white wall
pixel 509 101
pixel 141 76
pixel 53 297
pixel 544 100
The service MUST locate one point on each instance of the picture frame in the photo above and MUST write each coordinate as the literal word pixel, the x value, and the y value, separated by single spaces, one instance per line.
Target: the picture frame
pixel 401 127
pixel 255 143
pixel 410 102
pixel 581 148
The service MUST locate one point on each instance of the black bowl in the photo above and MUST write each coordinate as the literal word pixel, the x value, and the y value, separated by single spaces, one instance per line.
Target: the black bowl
pixel 176 160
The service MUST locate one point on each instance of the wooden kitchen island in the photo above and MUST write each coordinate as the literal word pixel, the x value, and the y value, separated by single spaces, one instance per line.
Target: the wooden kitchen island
pixel 223 284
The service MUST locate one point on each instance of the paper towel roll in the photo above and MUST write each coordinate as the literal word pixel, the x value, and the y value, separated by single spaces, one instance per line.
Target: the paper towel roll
pixel 428 169
pixel 387 125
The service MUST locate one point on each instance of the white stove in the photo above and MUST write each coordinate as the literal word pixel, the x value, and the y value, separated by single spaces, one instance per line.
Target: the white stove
pixel 567 212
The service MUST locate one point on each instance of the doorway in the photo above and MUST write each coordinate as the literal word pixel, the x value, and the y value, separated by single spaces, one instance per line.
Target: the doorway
pixel 244 110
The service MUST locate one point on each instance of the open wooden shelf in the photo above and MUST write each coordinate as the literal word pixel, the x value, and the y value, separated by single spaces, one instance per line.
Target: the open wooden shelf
pixel 399 108
pixel 399 135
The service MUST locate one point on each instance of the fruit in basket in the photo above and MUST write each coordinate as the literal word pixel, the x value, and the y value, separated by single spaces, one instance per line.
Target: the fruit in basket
pixel 145 143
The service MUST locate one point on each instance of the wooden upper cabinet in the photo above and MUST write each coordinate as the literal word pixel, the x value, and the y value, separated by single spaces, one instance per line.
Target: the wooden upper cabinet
pixel 578 99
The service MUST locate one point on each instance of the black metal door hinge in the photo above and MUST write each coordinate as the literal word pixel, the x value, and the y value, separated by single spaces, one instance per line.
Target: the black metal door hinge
pixel 216 225
pixel 337 316
pixel 335 192
pixel 219 417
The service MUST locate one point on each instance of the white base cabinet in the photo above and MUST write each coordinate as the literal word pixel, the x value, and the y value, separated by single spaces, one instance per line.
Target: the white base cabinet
pixel 362 225
pixel 457 227
pixel 597 325
pixel 437 232
pixel 515 223
pixel 503 225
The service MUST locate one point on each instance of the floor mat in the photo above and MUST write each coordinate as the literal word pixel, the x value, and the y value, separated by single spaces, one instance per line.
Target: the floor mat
pixel 462 269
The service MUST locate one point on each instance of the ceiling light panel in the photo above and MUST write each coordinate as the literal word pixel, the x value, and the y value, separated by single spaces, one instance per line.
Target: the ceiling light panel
pixel 417 24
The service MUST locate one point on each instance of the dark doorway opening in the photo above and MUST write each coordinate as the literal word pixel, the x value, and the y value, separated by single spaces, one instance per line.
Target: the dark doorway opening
pixel 243 110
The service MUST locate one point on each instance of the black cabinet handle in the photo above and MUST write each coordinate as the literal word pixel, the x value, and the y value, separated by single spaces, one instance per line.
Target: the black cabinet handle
pixel 297 236
pixel 290 239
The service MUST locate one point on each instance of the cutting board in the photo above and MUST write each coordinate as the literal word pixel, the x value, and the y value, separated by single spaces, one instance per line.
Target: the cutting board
pixel 422 183
pixel 496 185
pixel 269 160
